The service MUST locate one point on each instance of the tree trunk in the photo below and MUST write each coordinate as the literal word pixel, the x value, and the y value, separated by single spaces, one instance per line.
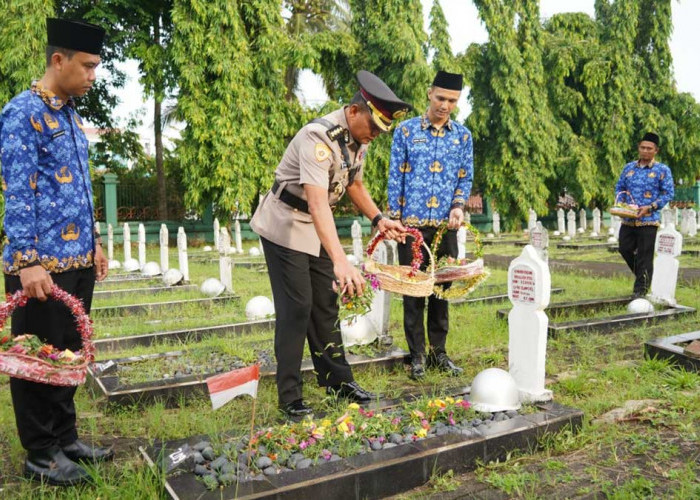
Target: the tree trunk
pixel 158 134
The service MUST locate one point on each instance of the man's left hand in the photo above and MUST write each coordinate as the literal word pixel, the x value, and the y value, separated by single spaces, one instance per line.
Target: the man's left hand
pixel 101 264
pixel 456 218
pixel 392 230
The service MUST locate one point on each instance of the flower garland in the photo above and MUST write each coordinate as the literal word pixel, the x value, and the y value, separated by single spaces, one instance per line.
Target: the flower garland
pixel 451 261
pixel 460 288
pixel 416 250
pixel 31 345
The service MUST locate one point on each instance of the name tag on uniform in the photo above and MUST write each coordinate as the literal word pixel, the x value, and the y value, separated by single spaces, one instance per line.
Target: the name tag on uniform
pixel 420 139
pixel 58 134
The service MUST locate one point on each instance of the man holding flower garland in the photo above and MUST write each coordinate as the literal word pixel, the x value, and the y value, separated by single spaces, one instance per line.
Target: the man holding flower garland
pixel 430 178
pixel 304 256
pixel 650 184
pixel 51 239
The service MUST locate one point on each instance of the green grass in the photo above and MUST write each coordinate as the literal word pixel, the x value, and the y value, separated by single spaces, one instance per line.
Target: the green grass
pixel 654 456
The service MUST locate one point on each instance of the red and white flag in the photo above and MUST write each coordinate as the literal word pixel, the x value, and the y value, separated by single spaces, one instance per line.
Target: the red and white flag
pixel 226 386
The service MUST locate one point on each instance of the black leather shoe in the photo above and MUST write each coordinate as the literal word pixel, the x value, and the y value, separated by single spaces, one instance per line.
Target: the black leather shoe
pixel 418 367
pixel 351 391
pixel 52 466
pixel 297 409
pixel 81 452
pixel 443 363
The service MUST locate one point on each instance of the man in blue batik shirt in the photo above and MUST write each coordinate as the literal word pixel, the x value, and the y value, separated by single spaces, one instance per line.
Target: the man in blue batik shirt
pixel 51 239
pixel 650 185
pixel 430 178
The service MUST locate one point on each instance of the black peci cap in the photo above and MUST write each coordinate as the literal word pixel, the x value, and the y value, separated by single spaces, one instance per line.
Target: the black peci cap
pixel 449 81
pixel 75 35
pixel 651 137
pixel 383 104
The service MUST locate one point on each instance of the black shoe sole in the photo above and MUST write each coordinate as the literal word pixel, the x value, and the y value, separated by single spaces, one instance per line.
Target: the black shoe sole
pixel 47 480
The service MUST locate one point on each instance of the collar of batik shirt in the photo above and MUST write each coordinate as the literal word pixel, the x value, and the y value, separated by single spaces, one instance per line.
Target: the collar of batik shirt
pixel 51 99
pixel 426 123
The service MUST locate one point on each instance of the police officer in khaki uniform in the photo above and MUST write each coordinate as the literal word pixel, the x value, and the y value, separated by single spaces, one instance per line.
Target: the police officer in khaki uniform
pixel 302 249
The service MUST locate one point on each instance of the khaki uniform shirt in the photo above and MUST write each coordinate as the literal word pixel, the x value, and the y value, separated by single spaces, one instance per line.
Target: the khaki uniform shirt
pixel 311 158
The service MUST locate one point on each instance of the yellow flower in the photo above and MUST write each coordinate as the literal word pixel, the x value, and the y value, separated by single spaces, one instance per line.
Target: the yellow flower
pixel 353 406
pixel 449 400
pixel 422 433
pixel 343 427
pixel 325 423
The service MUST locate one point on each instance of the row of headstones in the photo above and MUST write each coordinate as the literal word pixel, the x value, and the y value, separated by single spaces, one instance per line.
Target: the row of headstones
pixel 689 221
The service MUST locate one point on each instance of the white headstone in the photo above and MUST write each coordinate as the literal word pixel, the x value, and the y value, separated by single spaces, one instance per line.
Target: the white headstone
pixel 616 223
pixel 110 242
pixel 260 247
pixel 529 287
pixel 237 233
pixel 97 227
pixel 582 221
pixel 381 303
pixel 182 253
pixel 163 240
pixel 561 223
pixel 217 228
pixel 669 244
pixel 467 218
pixel 676 216
pixel 461 242
pixel 571 224
pixel 531 220
pixel 496 223
pixel 225 263
pixel 392 257
pixel 596 220
pixel 142 246
pixel 692 223
pixel 127 241
pixel 684 222
pixel 539 239
pixel 357 248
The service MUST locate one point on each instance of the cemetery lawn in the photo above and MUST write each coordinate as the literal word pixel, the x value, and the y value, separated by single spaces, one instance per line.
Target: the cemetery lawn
pixel 654 451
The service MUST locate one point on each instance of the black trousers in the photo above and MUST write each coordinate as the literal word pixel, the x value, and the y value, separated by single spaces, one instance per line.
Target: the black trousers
pixel 305 308
pixel 637 248
pixel 414 307
pixel 45 414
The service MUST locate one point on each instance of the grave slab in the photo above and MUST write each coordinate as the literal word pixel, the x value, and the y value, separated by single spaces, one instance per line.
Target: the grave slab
pixel 156 306
pixel 105 294
pixel 608 323
pixel 587 246
pixel 171 391
pixel 382 473
pixel 496 297
pixel 672 348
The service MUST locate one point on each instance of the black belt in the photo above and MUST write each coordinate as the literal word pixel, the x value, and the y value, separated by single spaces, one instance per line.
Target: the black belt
pixel 290 199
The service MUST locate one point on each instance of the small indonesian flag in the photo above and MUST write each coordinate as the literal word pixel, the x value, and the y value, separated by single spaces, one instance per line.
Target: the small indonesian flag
pixel 223 388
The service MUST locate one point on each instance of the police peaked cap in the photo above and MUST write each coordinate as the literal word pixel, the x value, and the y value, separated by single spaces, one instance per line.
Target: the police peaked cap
pixel 383 104
pixel 74 35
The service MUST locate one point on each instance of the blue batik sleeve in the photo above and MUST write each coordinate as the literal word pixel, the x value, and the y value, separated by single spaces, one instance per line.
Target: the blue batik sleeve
pixel 19 159
pixel 395 183
pixel 666 190
pixel 465 175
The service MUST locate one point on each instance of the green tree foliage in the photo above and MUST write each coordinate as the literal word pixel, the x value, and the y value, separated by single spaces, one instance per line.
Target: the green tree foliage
pixel 511 119
pixel 22 42
pixel 439 41
pixel 392 45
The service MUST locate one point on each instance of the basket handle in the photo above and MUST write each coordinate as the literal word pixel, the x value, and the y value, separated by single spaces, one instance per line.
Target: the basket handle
pixel 417 243
pixel 627 193
pixel 442 229
pixel 82 320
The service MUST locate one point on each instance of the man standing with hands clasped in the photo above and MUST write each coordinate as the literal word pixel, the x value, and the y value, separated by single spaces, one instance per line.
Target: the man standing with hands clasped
pixel 304 256
pixel 51 239
pixel 650 184
pixel 430 178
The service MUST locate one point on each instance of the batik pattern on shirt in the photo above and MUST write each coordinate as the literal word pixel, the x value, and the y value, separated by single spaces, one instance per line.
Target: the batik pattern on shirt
pixel 430 172
pixel 46 183
pixel 647 185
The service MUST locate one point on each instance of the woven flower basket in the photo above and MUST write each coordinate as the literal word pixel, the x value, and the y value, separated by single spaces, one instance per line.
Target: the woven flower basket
pixel 36 369
pixel 465 276
pixel 405 280
pixel 625 210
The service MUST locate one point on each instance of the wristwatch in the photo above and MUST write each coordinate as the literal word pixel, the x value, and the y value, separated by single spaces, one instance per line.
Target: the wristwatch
pixel 376 219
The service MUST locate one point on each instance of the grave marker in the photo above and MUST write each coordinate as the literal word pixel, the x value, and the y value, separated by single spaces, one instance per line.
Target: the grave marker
pixel 467 218
pixel 531 220
pixel 357 248
pixel 110 242
pixel 669 243
pixel 692 223
pixel 237 233
pixel 225 263
pixel 596 221
pixel 582 222
pixel 381 303
pixel 496 223
pixel 164 257
pixel 182 253
pixel 142 246
pixel 571 223
pixel 127 241
pixel 616 223
pixel 561 223
pixel 217 232
pixel 529 287
pixel 461 242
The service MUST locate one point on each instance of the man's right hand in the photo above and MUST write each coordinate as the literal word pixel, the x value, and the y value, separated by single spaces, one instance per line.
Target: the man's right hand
pixel 349 277
pixel 36 282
